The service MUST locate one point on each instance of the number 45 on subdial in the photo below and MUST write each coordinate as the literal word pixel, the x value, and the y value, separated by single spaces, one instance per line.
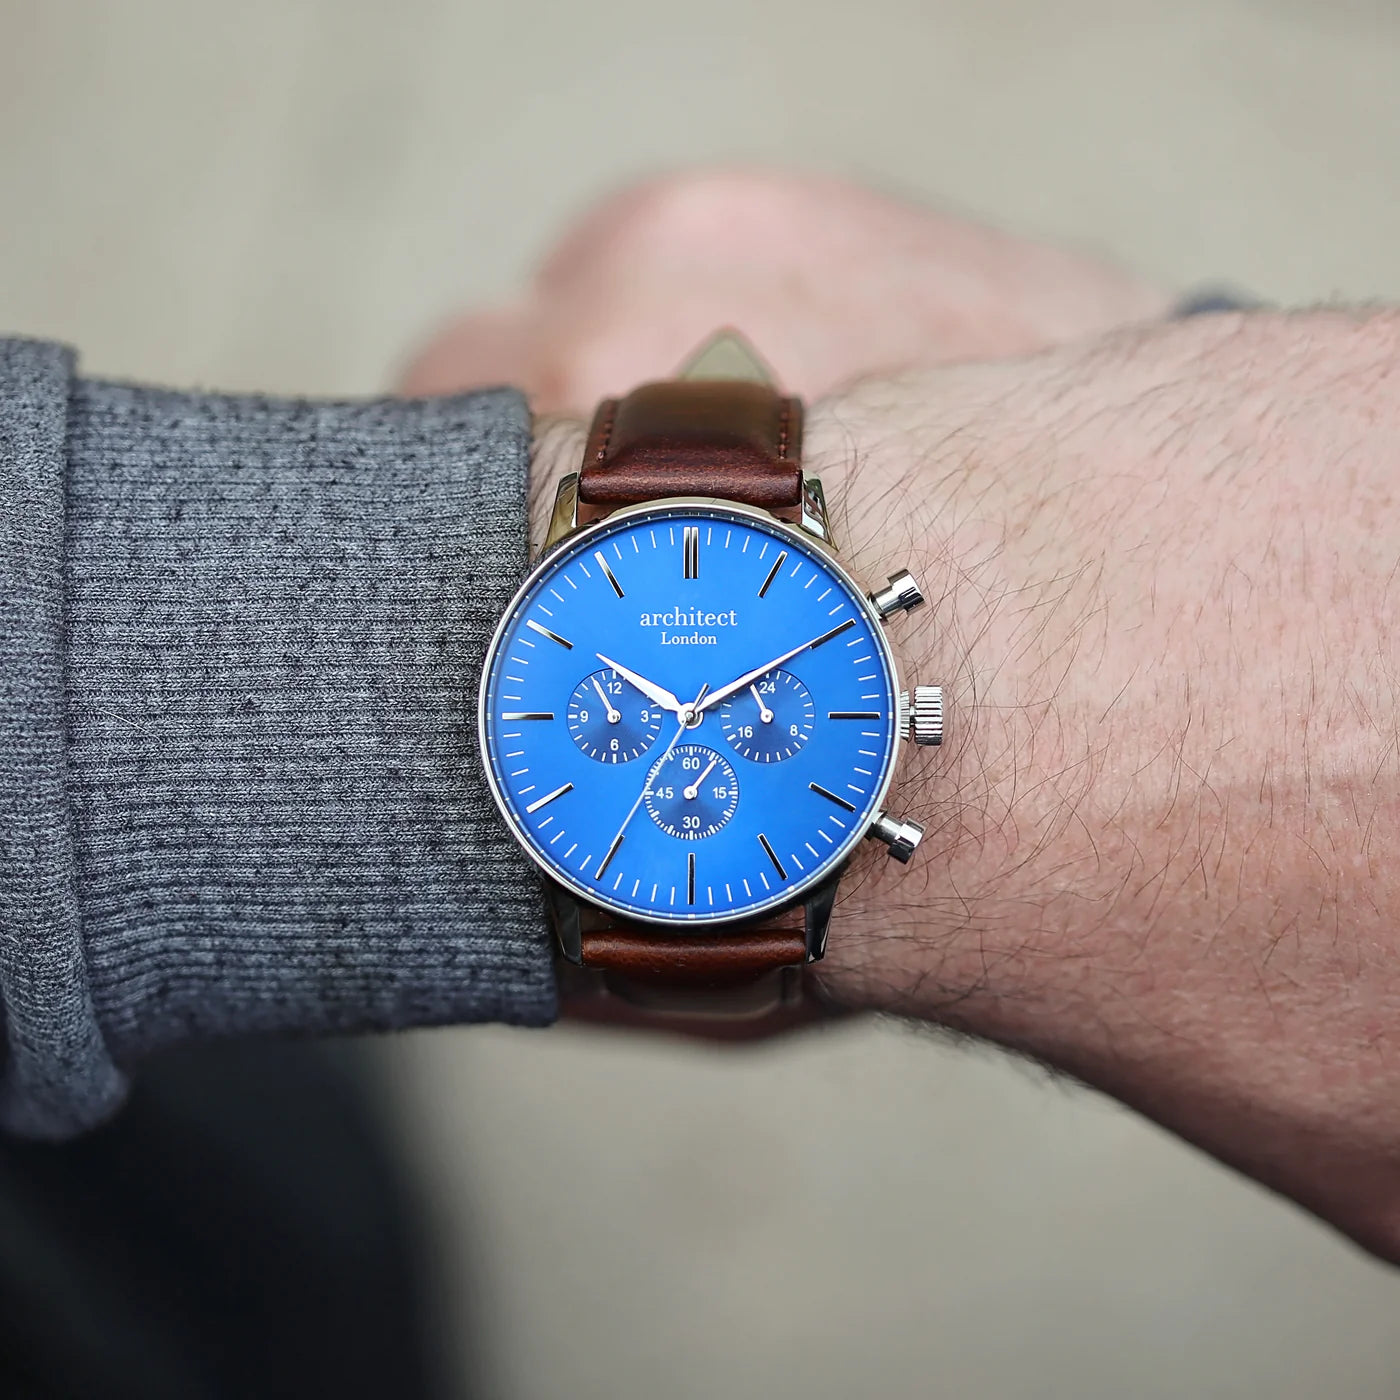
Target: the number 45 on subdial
pixel 770 720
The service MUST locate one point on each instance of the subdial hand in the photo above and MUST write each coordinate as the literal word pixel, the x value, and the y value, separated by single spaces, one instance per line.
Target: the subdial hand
pixel 764 713
pixel 613 715
pixel 657 694
pixel 693 791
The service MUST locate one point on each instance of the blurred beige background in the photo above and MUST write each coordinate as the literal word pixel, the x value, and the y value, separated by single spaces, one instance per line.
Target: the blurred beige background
pixel 283 196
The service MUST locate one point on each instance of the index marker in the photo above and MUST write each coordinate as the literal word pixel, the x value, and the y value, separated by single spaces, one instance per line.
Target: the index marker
pixel 773 572
pixel 545 632
pixel 772 855
pixel 607 859
pixel 831 797
pixel 548 798
pixel 607 572
pixel 826 636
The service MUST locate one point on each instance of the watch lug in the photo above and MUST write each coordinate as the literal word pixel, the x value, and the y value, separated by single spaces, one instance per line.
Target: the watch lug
pixel 563 521
pixel 566 917
pixel 818 906
pixel 815 520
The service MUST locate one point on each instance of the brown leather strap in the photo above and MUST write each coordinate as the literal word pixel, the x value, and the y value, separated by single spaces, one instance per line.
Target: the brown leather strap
pixel 726 438
pixel 696 960
pixel 738 441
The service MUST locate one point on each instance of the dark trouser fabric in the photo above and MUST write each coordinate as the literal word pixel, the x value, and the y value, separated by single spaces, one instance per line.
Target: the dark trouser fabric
pixel 239 1230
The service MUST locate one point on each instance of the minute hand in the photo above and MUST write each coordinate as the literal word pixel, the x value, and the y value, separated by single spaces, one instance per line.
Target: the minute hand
pixel 725 691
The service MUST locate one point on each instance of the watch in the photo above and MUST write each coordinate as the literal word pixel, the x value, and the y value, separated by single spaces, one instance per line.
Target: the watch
pixel 690 712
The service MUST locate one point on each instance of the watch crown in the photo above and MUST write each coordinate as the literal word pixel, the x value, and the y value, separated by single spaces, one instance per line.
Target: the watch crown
pixel 902 837
pixel 926 718
pixel 900 594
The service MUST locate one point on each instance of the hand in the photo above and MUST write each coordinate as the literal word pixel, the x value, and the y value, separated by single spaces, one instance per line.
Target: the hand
pixel 765 715
pixel 649 274
pixel 614 716
pixel 692 790
pixel 657 694
pixel 640 282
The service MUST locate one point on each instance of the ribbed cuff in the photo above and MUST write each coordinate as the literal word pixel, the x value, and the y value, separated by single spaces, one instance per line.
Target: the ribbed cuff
pixel 57 1075
pixel 278 612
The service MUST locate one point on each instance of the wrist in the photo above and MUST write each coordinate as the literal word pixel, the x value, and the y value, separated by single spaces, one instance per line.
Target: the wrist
pixel 1161 840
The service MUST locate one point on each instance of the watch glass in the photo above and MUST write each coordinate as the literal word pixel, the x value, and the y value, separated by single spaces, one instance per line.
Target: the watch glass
pixel 689 714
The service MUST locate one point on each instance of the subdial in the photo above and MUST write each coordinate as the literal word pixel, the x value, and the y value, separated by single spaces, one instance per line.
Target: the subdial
pixel 692 792
pixel 771 719
pixel 611 720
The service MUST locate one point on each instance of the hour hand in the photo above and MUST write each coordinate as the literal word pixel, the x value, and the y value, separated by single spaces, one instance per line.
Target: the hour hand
pixel 657 694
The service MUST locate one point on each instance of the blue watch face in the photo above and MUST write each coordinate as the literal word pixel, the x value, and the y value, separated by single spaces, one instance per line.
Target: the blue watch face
pixel 689 714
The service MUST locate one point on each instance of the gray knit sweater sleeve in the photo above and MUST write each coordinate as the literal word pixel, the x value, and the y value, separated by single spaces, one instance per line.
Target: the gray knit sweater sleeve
pixel 239 789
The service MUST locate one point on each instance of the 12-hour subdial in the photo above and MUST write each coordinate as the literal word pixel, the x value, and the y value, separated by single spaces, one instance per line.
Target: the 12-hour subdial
pixel 611 720
pixel 771 719
pixel 692 793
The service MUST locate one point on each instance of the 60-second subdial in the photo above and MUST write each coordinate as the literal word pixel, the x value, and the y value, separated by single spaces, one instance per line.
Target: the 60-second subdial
pixel 771 719
pixel 692 793
pixel 611 720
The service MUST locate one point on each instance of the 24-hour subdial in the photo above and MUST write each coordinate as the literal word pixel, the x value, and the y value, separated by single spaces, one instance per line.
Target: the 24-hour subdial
pixel 692 792
pixel 771 719
pixel 610 720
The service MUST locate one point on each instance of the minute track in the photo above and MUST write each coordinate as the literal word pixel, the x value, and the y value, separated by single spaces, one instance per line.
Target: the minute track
pixel 666 629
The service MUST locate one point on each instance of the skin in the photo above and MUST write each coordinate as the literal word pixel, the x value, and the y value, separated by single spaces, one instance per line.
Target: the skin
pixel 1164 834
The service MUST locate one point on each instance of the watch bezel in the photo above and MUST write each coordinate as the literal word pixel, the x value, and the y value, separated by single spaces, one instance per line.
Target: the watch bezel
pixel 580 536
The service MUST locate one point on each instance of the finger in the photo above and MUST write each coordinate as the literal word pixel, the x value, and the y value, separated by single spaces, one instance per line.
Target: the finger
pixel 477 351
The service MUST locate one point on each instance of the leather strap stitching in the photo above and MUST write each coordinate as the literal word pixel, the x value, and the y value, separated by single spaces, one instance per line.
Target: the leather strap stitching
pixel 605 429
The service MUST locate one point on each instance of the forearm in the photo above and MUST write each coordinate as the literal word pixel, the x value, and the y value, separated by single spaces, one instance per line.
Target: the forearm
pixel 271 616
pixel 1164 833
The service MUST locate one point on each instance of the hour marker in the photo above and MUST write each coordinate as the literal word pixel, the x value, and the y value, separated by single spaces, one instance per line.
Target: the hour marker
pixel 690 551
pixel 777 864
pixel 824 638
pixel 830 797
pixel 853 714
pixel 513 715
pixel 549 797
pixel 772 573
pixel 611 577
pixel 554 636
pixel 690 877
pixel 612 851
